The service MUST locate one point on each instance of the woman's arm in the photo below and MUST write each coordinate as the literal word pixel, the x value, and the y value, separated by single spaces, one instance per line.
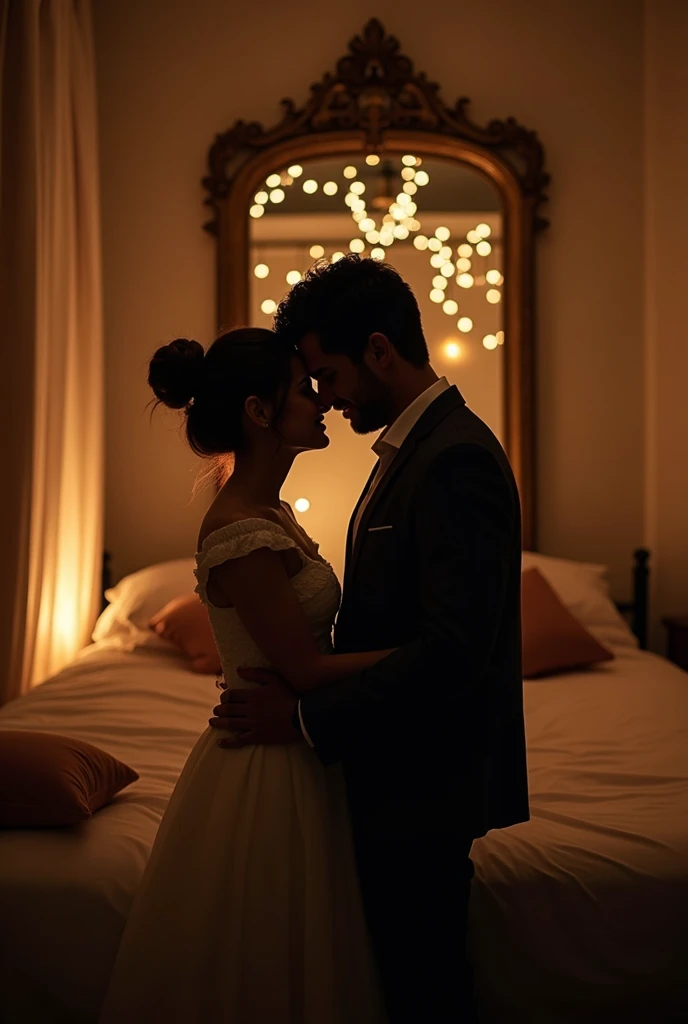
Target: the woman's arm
pixel 259 588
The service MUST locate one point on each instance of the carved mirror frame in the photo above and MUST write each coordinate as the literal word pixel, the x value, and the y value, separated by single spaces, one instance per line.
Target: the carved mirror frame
pixel 376 102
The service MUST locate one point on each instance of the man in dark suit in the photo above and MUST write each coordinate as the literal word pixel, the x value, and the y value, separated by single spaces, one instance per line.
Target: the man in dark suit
pixel 432 737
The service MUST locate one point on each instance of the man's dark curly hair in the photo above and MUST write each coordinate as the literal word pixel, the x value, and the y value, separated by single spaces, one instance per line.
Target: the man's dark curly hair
pixel 347 301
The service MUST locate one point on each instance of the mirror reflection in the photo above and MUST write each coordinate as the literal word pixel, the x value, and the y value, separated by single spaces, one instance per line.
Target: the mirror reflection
pixel 439 224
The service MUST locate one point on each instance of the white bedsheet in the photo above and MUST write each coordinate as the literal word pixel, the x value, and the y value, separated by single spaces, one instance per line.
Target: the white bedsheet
pixel 579 915
pixel 65 894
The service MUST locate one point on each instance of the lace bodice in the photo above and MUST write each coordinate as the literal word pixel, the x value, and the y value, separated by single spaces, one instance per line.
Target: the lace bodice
pixel 316 587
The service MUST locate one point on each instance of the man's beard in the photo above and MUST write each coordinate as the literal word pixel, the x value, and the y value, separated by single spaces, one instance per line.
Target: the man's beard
pixel 371 403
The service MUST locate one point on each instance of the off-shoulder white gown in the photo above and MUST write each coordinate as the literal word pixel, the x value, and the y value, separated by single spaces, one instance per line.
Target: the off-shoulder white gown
pixel 249 910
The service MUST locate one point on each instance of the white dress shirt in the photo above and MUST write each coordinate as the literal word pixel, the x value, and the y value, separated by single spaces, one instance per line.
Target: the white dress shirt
pixel 386 447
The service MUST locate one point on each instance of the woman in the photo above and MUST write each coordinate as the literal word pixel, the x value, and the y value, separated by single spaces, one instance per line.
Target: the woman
pixel 249 910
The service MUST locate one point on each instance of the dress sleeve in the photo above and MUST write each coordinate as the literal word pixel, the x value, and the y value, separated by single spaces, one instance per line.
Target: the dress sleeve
pixel 235 541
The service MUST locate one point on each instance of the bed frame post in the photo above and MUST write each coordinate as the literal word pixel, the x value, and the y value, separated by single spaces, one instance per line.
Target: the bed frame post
pixel 106 580
pixel 640 595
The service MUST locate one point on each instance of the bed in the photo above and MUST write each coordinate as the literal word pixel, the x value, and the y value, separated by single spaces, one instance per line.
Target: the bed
pixel 578 914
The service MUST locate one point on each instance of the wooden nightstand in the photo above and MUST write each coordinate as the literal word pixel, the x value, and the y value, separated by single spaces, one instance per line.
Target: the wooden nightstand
pixel 677 639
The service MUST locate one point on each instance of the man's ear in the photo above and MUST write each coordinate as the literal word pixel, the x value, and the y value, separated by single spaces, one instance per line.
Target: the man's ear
pixel 379 350
pixel 258 411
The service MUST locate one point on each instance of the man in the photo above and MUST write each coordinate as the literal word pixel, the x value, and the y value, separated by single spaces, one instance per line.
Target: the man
pixel 431 738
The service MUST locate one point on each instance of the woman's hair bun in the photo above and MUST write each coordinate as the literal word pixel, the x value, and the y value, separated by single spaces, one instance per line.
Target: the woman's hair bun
pixel 175 372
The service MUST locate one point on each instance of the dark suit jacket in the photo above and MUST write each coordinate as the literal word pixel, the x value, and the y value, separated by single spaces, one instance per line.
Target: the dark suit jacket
pixel 432 737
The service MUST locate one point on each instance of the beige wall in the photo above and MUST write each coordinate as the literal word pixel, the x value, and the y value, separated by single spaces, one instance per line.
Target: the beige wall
pixel 666 79
pixel 172 74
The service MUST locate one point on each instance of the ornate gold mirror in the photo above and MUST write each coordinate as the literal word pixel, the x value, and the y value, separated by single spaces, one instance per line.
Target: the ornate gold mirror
pixel 376 163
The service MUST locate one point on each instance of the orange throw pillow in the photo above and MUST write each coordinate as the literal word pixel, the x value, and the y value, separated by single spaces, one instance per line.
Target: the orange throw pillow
pixel 553 640
pixel 185 623
pixel 48 780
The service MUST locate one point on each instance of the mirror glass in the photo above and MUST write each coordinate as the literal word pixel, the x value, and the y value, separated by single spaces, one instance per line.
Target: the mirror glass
pixel 440 224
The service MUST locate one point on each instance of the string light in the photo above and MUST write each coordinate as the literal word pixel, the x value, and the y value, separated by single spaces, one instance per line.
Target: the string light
pixel 336 256
pixel 437 295
pixel 422 178
pixel 302 504
pixel 447 269
pixel 493 277
pixel 317 252
pixel 452 349
pixel 277 195
pixel 465 250
pixel 490 341
pixel 439 282
pixel 257 211
pixel 357 245
pixel 378 254
pixel 349 172
pixel 408 161
pixel 372 160
pixel 268 306
pixel 310 186
pixel 493 296
pixel 465 324
pixel 420 242
pixel 330 188
pixel 273 180
pixel 465 280
pixel 484 230
pixel 442 233
pixel 261 198
pixel 483 248
pixel 261 270
pixel 296 170
pixel 293 277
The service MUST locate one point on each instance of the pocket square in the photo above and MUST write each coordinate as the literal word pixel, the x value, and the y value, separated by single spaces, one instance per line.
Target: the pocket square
pixel 375 529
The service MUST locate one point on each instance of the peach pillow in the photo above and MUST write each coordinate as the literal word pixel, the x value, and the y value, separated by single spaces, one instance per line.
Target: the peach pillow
pixel 553 640
pixel 48 780
pixel 185 623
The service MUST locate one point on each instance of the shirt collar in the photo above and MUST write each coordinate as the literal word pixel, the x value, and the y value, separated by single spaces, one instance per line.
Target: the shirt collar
pixel 393 436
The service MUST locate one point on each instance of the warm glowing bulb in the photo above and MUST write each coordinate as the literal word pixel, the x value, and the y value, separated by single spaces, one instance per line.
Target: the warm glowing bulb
pixel 268 306
pixel 317 252
pixel 422 178
pixel 434 244
pixel 493 277
pixel 437 261
pixel 465 250
pixel 302 504
pixel 367 224
pixel 490 341
pixel 356 245
pixel 372 159
pixel 261 270
pixel 446 252
pixel 462 264
pixel 420 242
pixel 336 256
pixel 447 269
pixel 465 324
pixel 310 186
pixel 483 248
pixel 412 224
pixel 403 200
pixel 273 181
pixel 349 172
pixel 408 174
pixel 397 212
pixel 500 337
pixel 465 280
pixel 411 209
pixel 277 195
pixel 473 237
pixel 373 237
pixel 330 188
pixel 293 277
pixel 437 295
pixel 257 211
pixel 452 349
pixel 357 187
pixel 442 233
pixel 493 296
pixel 378 254
pixel 261 197
pixel 439 282
pixel 401 232
pixel 296 170
pixel 409 188
pixel 358 205
pixel 484 230
pixel 386 238
pixel 450 307
pixel 359 216
pixel 408 161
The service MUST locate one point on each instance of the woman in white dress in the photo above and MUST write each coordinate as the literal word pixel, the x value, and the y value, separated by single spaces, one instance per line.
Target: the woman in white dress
pixel 249 910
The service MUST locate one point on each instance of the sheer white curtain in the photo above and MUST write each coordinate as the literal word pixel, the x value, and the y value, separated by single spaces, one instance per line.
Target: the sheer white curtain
pixel 51 424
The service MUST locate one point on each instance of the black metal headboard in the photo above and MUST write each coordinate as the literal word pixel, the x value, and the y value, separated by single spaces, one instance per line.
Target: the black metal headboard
pixel 637 608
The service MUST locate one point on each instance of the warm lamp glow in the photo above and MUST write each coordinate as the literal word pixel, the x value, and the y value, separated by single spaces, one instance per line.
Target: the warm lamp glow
pixel 450 307
pixel 357 187
pixel 408 161
pixel 446 252
pixel 268 306
pixel 465 280
pixel 420 242
pixel 317 252
pixel 442 233
pixel 408 174
pixel 473 237
pixel 484 230
pixel 366 224
pixel 257 210
pixel 490 341
pixel 330 188
pixel 452 349
pixel 277 195
pixel 357 245
pixel 302 504
pixel 439 282
pixel 447 269
pixel 483 248
pixel 273 181
pixel 493 277
pixel 422 178
pixel 493 296
pixel 401 232
pixel 465 250
pixel 310 186
pixel 410 188
pixel 378 254
pixel 434 244
pixel 296 170
pixel 336 256
pixel 349 172
pixel 261 270
pixel 465 324
pixel 372 236
pixel 437 295
pixel 293 277
pixel 372 159
pixel 261 198
pixel 462 265
pixel 437 261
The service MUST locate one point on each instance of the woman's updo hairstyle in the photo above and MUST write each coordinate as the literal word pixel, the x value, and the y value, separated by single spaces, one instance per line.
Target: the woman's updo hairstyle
pixel 212 387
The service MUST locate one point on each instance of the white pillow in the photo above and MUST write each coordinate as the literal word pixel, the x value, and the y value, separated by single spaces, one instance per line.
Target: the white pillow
pixel 137 597
pixel 584 588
